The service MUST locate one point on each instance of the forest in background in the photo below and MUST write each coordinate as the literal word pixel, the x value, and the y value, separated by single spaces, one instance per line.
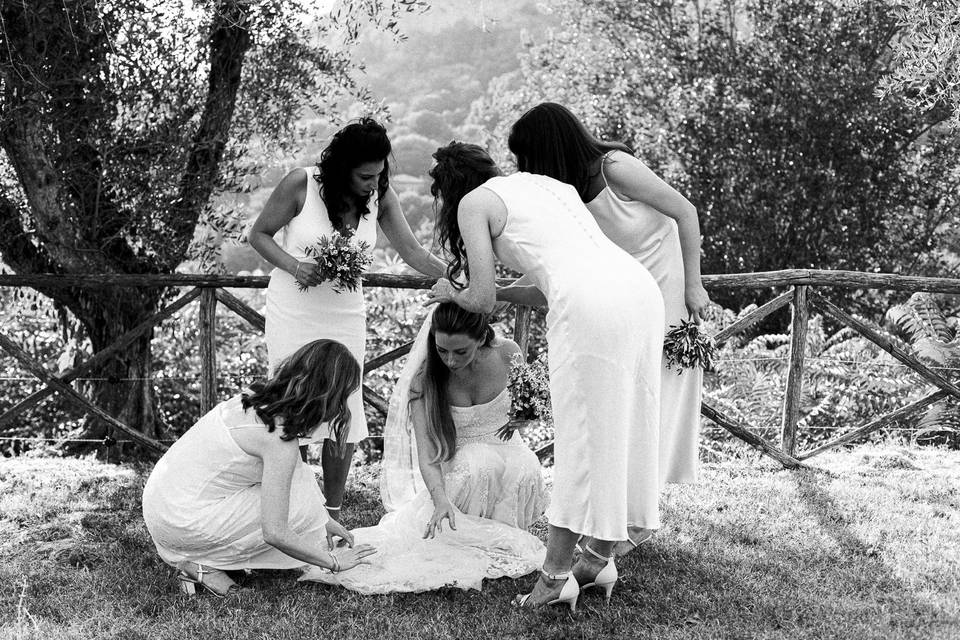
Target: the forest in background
pixel 782 121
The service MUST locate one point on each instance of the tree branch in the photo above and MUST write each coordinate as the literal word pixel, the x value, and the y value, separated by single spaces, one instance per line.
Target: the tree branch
pixel 229 40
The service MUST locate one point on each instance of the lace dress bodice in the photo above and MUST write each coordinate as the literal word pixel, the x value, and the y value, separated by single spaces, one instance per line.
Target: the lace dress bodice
pixel 480 422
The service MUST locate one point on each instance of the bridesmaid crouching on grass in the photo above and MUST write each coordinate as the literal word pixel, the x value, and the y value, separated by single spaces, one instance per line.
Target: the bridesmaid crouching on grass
pixel 232 493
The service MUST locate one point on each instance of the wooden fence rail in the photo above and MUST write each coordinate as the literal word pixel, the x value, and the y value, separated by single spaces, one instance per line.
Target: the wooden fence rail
pixel 211 291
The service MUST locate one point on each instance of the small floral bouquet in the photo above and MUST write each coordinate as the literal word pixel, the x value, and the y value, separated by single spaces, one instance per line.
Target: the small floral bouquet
pixel 340 261
pixel 687 347
pixel 530 391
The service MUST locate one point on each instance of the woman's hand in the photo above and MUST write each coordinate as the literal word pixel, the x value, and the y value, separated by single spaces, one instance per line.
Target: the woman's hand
pixel 442 291
pixel 306 273
pixel 349 557
pixel 697 300
pixel 443 510
pixel 337 530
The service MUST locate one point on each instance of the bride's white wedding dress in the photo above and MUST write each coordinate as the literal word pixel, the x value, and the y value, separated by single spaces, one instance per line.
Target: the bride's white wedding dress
pixel 497 490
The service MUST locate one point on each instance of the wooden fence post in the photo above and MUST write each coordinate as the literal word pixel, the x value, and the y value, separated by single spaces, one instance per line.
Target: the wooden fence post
pixel 208 349
pixel 521 328
pixel 798 343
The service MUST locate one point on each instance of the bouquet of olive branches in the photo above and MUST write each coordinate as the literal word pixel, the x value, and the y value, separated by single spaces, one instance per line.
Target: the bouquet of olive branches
pixel 687 347
pixel 340 261
pixel 530 393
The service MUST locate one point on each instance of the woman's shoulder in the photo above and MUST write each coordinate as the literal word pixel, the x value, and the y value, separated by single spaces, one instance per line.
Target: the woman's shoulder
pixel 620 167
pixel 505 348
pixel 295 180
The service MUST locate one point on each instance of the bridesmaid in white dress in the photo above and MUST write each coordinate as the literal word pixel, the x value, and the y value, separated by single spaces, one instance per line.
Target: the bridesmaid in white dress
pixel 451 405
pixel 604 337
pixel 232 492
pixel 652 222
pixel 348 191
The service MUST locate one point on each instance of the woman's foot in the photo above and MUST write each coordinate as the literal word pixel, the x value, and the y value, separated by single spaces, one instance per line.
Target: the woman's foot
pixel 636 537
pixel 593 570
pixel 216 581
pixel 551 589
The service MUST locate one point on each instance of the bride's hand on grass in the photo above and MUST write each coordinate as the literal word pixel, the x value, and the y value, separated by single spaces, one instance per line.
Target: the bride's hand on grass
pixel 445 510
pixel 337 530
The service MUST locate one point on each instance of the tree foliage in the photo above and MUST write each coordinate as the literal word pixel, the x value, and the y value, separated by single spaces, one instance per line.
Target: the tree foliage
pixel 764 113
pixel 927 56
pixel 121 118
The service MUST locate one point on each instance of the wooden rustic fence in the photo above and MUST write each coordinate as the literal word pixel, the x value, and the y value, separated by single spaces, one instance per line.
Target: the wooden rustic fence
pixel 211 291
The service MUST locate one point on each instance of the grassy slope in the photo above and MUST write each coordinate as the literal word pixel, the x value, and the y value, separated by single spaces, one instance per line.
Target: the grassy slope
pixel 870 549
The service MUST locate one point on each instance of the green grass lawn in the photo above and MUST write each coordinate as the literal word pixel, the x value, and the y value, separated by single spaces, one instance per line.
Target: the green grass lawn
pixel 866 547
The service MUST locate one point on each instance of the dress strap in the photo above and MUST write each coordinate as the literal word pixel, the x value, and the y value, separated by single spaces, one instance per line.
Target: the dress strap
pixel 603 161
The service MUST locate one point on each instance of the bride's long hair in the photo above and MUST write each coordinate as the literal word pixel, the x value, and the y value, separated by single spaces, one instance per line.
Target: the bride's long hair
pixel 449 318
pixel 461 167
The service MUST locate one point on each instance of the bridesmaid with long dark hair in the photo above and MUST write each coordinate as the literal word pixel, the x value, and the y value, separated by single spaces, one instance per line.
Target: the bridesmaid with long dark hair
pixel 652 222
pixel 347 192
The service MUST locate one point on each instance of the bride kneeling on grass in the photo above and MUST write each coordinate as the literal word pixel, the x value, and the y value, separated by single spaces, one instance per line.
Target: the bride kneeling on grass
pixel 461 488
pixel 232 493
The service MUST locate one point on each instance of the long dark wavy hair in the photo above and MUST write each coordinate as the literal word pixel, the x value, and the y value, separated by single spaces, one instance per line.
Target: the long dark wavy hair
pixel 309 388
pixel 362 141
pixel 461 167
pixel 551 141
pixel 450 318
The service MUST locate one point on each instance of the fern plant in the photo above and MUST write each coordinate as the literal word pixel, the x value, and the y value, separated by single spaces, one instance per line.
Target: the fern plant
pixel 932 336
pixel 848 381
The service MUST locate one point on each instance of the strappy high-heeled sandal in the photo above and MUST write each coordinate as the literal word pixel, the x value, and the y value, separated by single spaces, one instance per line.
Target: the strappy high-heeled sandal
pixel 568 595
pixel 605 578
pixel 189 584
pixel 624 547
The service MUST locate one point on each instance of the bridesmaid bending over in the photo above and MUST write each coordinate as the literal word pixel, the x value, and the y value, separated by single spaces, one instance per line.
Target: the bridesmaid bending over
pixel 348 192
pixel 652 222
pixel 604 339
pixel 233 493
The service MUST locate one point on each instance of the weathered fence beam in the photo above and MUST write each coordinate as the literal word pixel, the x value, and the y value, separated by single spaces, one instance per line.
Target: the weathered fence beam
pixel 521 328
pixel 749 437
pixel 37 370
pixel 386 357
pixel 798 347
pixel 208 350
pixel 831 278
pixel 101 356
pixel 544 451
pixel 756 280
pixel 375 400
pixel 753 317
pixel 106 280
pixel 242 309
pixel 879 423
pixel 884 343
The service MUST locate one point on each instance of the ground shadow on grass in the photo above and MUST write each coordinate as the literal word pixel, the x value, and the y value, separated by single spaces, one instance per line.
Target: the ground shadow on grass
pixel 746 555
pixel 870 584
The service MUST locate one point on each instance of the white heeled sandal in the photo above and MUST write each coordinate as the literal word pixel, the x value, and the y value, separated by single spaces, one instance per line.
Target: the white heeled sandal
pixel 568 593
pixel 606 578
